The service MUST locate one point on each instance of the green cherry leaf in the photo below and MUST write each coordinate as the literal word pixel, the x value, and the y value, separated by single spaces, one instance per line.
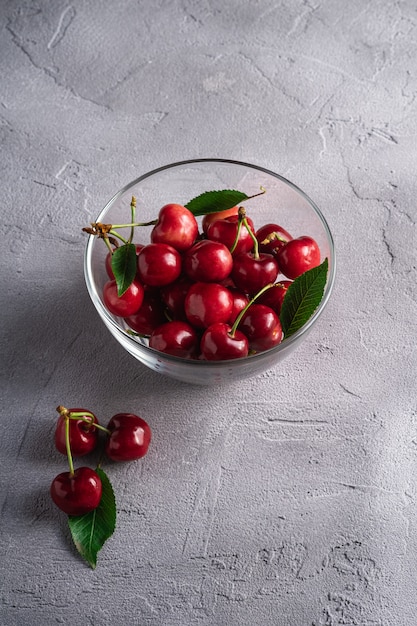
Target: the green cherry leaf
pixel 302 298
pixel 214 201
pixel 90 531
pixel 124 266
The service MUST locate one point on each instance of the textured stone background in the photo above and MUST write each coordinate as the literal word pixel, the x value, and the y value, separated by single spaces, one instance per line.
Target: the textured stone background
pixel 288 500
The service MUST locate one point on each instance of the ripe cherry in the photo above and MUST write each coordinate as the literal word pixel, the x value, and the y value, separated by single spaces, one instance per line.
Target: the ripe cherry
pixel 219 343
pixel 107 263
pixel 208 261
pixel 173 296
pixel 218 215
pixel 176 226
pixel 274 296
pixel 297 256
pixel 176 338
pixel 129 437
pixel 149 316
pixel 225 231
pixel 207 303
pixel 126 304
pixel 262 327
pixel 77 493
pixel 239 303
pixel 159 264
pixel 253 271
pixel 272 237
pixel 83 437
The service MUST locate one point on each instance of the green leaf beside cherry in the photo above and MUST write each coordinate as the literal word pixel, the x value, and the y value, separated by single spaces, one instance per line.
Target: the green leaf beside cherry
pixel 302 298
pixel 90 531
pixel 214 201
pixel 123 264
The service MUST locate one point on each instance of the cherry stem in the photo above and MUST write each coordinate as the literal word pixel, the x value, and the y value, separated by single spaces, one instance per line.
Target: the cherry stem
pixel 132 215
pixel 76 414
pixel 68 445
pixel 108 244
pixel 261 193
pixel 252 235
pixel 241 214
pixel 133 224
pixel 243 311
pixel 274 237
pixel 133 333
pixel 243 220
pixel 81 418
pixel 66 415
pixel 118 235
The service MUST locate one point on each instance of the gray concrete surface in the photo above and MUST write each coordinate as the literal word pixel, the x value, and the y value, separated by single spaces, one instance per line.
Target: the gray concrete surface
pixel 287 500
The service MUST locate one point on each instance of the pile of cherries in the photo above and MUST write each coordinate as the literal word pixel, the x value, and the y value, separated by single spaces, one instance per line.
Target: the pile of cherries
pixel 215 294
pixel 79 491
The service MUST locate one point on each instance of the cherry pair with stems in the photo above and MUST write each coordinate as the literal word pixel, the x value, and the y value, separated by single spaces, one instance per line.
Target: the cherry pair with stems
pixel 78 491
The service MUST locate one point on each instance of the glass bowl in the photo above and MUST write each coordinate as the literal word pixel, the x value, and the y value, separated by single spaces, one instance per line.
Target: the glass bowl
pixel 283 203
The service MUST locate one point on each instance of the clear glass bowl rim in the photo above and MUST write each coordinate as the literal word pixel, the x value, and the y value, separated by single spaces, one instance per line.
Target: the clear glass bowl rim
pixel 284 345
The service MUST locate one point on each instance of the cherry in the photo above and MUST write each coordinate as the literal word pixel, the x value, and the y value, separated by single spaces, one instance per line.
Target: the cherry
pixel 126 304
pixel 272 237
pixel 218 215
pixel 239 303
pixel 297 256
pixel 274 296
pixel 173 296
pixel 225 231
pixel 262 327
pixel 129 437
pixel 150 315
pixel 78 492
pixel 83 437
pixel 219 343
pixel 208 261
pixel 207 303
pixel 159 264
pixel 176 226
pixel 107 263
pixel 253 271
pixel 176 338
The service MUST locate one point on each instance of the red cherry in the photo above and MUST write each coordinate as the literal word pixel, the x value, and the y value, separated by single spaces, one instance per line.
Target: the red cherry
pixel 124 305
pixel 129 439
pixel 208 261
pixel 274 296
pixel 297 256
pixel 176 338
pixel 262 327
pixel 207 303
pixel 251 273
pixel 272 237
pixel 218 215
pixel 107 263
pixel 176 226
pixel 82 435
pixel 217 344
pixel 239 303
pixel 150 315
pixel 159 264
pixel 225 231
pixel 173 296
pixel 77 493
